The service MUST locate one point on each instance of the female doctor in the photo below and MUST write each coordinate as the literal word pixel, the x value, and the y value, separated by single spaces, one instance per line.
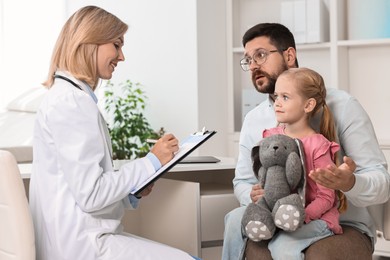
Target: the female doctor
pixel 77 200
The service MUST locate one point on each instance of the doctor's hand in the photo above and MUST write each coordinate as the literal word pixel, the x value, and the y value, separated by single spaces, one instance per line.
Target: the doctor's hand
pixel 256 193
pixel 337 178
pixel 165 147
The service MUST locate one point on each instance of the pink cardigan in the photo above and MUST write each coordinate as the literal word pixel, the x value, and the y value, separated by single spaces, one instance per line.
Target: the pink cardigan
pixel 321 202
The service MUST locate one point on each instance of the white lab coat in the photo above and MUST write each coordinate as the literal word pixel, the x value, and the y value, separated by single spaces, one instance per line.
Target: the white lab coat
pixel 76 199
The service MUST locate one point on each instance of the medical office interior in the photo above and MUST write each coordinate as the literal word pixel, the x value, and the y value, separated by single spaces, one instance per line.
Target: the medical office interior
pixel 186 54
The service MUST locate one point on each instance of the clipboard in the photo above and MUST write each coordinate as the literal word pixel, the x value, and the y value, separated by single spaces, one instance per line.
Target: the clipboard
pixel 187 146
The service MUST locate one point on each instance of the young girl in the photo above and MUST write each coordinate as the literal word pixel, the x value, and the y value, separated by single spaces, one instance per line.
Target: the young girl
pixel 299 95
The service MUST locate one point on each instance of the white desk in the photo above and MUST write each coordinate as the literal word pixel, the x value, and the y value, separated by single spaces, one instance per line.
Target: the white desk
pixel 186 208
pixel 25 170
pixel 224 164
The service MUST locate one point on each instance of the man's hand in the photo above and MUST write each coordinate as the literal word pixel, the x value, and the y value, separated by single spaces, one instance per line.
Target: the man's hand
pixel 256 193
pixel 337 178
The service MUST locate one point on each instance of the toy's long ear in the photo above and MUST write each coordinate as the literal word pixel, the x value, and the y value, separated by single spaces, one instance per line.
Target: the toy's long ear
pixel 256 164
pixel 302 184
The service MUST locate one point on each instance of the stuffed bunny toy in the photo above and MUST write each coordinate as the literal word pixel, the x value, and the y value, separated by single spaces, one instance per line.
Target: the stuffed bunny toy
pixel 278 163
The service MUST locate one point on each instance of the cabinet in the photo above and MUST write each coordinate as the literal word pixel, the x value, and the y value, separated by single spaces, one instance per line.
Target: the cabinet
pixel 358 66
pixel 382 246
pixel 187 208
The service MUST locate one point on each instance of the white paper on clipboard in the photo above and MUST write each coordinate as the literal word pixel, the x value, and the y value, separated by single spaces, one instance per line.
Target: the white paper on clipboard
pixel 187 146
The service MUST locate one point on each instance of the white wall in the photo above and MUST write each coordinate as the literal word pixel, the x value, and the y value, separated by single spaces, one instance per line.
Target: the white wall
pixel 175 48
pixel 28 31
pixel 212 73
pixel 160 51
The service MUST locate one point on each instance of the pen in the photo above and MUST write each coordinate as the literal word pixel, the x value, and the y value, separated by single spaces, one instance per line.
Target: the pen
pixel 151 141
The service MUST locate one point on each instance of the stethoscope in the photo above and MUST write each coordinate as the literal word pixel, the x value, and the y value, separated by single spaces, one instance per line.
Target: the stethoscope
pixel 77 86
pixel 67 79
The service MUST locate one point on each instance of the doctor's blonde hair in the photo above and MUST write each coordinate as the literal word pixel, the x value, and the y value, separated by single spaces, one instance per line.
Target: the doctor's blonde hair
pixel 76 47
pixel 310 84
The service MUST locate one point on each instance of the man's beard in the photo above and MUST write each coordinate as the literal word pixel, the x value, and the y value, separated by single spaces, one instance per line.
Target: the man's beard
pixel 268 88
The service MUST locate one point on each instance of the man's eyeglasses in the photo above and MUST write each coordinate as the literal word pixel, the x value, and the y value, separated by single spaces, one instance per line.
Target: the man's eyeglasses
pixel 259 57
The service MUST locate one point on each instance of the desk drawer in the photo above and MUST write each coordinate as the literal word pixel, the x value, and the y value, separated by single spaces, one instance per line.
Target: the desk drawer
pixel 382 246
pixel 212 212
pixel 212 253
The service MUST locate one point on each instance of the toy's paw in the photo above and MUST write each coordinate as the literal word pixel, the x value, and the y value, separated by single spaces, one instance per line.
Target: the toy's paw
pixel 288 218
pixel 257 231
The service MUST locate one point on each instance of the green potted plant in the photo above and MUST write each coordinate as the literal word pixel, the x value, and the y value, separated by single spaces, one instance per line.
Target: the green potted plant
pixel 127 124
